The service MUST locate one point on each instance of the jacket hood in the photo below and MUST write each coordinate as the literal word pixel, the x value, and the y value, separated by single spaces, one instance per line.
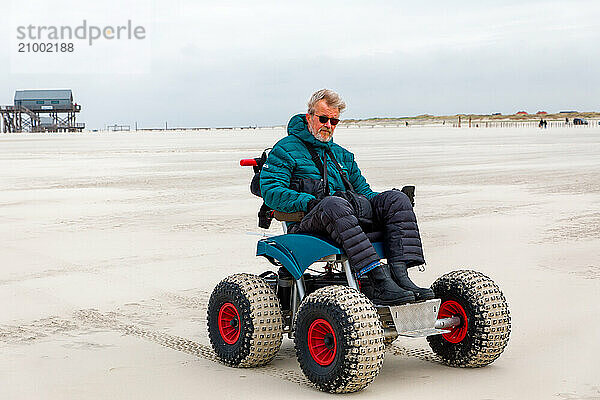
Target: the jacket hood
pixel 299 128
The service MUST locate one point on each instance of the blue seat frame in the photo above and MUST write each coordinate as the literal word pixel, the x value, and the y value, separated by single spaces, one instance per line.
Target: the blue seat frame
pixel 297 252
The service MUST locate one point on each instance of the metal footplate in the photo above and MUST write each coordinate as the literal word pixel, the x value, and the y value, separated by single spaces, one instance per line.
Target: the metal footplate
pixel 413 320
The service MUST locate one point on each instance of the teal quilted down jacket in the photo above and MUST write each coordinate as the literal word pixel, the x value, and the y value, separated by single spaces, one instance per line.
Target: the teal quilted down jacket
pixel 289 159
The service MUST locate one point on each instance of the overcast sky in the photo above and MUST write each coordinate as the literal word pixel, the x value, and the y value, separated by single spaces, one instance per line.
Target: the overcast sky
pixel 239 63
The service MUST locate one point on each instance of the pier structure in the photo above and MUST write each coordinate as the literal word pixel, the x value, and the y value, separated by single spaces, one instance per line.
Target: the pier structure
pixel 48 110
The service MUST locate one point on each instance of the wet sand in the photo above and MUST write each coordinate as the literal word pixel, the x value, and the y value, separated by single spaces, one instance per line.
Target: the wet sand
pixel 111 244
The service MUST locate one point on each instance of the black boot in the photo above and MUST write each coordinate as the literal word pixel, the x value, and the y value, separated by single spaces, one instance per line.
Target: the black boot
pixel 400 276
pixel 385 291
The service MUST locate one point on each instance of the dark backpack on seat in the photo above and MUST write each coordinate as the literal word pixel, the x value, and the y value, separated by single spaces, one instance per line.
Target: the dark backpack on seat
pixel 265 213
pixel 255 183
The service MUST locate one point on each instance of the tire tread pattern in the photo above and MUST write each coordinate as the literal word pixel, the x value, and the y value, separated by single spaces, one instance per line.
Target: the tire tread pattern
pixel 489 327
pixel 364 351
pixel 260 312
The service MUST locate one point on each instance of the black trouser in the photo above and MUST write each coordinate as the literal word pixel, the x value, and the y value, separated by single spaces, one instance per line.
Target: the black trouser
pixel 393 215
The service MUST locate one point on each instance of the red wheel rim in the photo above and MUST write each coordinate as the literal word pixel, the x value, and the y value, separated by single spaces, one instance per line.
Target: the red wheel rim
pixel 322 343
pixel 451 308
pixel 229 323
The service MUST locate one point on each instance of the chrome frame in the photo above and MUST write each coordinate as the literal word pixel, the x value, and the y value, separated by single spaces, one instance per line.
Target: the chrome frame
pixel 447 323
pixel 349 275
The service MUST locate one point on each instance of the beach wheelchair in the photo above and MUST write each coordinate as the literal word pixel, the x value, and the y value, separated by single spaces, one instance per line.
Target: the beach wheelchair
pixel 340 336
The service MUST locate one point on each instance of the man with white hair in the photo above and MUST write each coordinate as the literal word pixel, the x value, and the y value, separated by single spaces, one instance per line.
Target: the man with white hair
pixel 307 172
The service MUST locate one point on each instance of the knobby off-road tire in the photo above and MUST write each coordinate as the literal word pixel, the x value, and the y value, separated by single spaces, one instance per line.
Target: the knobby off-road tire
pixel 387 342
pixel 339 339
pixel 244 321
pixel 485 328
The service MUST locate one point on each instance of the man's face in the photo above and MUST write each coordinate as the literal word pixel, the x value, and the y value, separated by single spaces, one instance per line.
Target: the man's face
pixel 322 131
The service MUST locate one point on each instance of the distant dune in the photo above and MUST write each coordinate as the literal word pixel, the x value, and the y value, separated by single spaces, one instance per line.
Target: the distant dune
pixel 475 118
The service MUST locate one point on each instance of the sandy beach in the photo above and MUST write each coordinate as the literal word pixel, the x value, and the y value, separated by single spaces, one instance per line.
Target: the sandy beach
pixel 111 243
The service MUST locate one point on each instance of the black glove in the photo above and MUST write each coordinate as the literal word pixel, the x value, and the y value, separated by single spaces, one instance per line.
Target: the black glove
pixel 311 204
pixel 265 216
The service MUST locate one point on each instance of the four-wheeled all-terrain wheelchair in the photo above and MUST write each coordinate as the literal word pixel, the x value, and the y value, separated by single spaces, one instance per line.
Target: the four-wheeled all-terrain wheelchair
pixel 339 334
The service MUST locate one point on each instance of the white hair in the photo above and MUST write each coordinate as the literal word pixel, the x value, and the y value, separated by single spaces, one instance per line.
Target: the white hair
pixel 331 98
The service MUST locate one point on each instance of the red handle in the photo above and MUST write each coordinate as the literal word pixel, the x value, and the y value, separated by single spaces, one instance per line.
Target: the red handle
pixel 248 162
